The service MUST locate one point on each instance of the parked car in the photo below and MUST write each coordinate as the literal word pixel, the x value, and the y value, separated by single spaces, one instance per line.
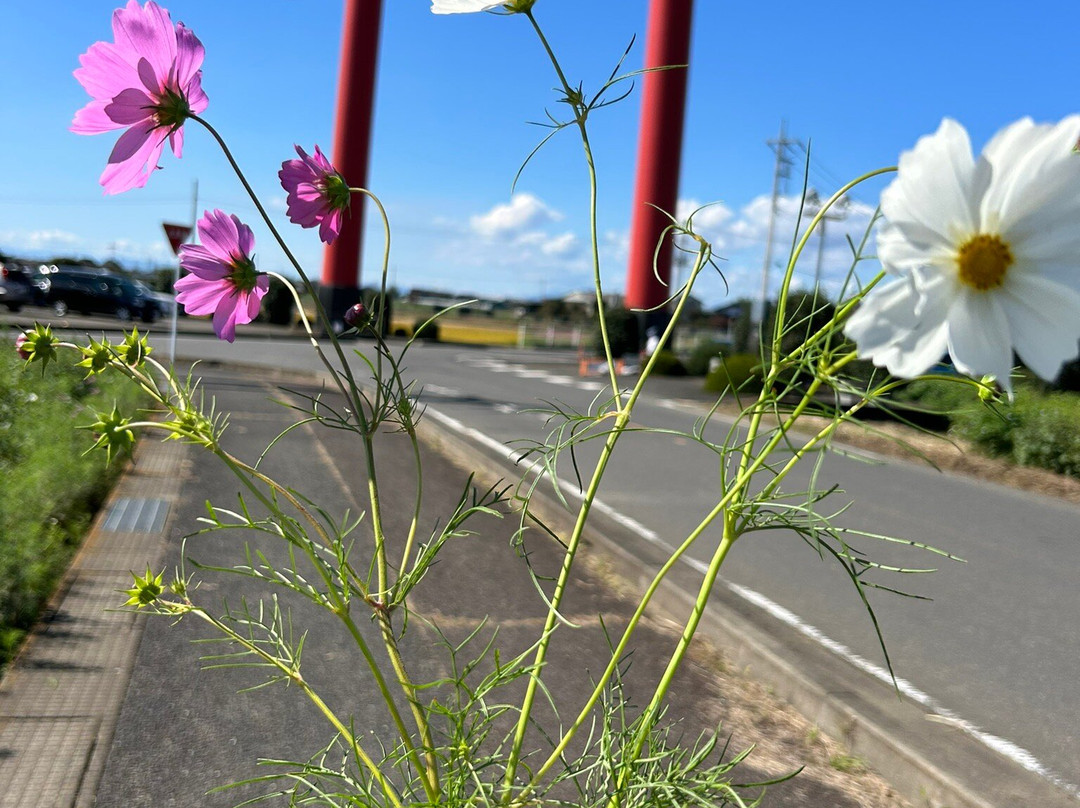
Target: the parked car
pixel 90 291
pixel 21 286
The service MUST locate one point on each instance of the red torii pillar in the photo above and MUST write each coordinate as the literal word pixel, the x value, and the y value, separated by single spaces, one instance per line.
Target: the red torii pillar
pixel 340 287
pixel 663 106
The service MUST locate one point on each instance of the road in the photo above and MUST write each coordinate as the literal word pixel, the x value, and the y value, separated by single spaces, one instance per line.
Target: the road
pixel 995 648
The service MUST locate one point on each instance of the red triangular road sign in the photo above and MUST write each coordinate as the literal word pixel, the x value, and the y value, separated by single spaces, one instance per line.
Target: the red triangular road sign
pixel 177 235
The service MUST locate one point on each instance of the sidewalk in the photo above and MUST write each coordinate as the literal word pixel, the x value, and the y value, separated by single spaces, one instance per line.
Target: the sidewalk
pixel 109 709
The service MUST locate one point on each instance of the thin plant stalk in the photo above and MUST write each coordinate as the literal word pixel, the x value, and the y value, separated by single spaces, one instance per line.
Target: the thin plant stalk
pixel 622 417
pixel 736 489
pixel 580 114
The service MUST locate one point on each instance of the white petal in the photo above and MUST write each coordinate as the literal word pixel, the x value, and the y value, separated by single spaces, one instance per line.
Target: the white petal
pixel 889 332
pixel 900 252
pixel 885 310
pixel 979 340
pixel 1035 176
pixel 462 6
pixel 1044 320
pixel 937 188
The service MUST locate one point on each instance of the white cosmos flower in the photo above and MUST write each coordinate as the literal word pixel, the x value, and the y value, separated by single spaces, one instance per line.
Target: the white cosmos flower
pixel 988 254
pixel 468 6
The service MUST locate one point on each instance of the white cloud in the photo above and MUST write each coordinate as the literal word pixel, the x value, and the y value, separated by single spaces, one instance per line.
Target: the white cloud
pixel 39 240
pixel 561 245
pixel 522 213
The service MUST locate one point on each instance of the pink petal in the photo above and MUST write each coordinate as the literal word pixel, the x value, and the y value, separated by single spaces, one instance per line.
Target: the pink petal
pixel 217 230
pixel 246 239
pixel 149 33
pixel 193 92
pixel 93 120
pixel 132 171
pixel 322 162
pixel 176 141
pixel 253 304
pixel 330 228
pixel 148 78
pixel 225 317
pixel 294 172
pixel 132 142
pixel 130 106
pixel 105 72
pixel 199 296
pixel 198 260
pixel 189 57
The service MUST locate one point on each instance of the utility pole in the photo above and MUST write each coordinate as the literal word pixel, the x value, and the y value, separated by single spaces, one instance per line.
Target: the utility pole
pixel 781 172
pixel 837 213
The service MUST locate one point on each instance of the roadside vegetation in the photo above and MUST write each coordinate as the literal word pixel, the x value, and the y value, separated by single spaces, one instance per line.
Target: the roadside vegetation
pixel 1041 429
pixel 49 487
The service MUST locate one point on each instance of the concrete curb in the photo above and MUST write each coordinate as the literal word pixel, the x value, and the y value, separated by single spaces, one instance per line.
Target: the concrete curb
pixel 932 764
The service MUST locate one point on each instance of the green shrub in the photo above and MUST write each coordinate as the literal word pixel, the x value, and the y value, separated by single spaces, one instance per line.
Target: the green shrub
pixel 277 304
pixel 1046 433
pixel 991 429
pixel 697 363
pixel 623 333
pixel 1037 429
pixel 668 364
pixel 49 489
pixel 740 372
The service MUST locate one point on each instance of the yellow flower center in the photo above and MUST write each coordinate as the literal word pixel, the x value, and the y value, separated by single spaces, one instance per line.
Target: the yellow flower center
pixel 983 261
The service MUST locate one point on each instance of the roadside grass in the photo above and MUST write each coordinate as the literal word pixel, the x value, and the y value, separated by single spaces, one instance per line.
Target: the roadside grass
pixel 49 486
pixel 1040 429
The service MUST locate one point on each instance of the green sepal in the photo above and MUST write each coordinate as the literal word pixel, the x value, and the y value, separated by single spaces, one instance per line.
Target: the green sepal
pixel 112 434
pixel 147 589
pixel 134 349
pixel 96 356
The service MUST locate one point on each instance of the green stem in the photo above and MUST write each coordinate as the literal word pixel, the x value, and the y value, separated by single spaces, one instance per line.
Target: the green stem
pixel 621 419
pixel 580 115
pixel 430 781
pixel 689 630
pixel 410 540
pixel 736 489
pixel 789 274
pixel 430 774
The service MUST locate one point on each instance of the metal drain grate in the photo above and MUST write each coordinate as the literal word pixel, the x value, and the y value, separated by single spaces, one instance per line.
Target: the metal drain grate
pixel 137 516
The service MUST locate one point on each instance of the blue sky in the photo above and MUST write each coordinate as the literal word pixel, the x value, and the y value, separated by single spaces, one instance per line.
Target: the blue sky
pixel 859 81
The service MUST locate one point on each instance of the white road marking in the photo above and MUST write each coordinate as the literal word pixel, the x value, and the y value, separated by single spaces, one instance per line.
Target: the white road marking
pixel 524 372
pixel 439 390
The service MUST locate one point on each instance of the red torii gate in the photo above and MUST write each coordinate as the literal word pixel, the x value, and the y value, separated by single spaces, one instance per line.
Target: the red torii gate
pixel 663 104
pixel 340 286
pixel 659 149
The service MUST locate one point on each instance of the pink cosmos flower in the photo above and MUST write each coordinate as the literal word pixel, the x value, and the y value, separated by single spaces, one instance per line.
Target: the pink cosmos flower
pixel 317 193
pixel 149 80
pixel 223 280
